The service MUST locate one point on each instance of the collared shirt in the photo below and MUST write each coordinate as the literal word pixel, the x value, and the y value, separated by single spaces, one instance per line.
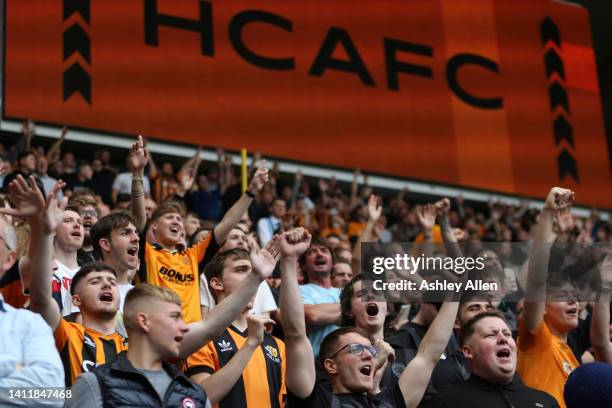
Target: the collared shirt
pixel 28 357
pixel 266 227
pixel 477 392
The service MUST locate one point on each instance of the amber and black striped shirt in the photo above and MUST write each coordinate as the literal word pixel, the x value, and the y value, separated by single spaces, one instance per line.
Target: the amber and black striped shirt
pixel 262 383
pixel 82 349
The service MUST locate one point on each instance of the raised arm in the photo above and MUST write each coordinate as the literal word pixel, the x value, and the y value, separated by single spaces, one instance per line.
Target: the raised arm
pixel 220 383
pixel 53 153
pixel 153 170
pixel 139 156
pixel 600 334
pixel 559 199
pixel 234 214
pixel 44 218
pixel 217 320
pixel 427 220
pixel 300 374
pixel 415 377
pixel 191 166
pixel 367 235
pixel 450 240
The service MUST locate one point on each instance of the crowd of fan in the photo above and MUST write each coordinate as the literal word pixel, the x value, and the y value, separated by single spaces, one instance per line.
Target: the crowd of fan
pixel 256 297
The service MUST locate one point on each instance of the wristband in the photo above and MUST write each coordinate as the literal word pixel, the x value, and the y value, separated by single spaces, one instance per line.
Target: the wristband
pixel 249 194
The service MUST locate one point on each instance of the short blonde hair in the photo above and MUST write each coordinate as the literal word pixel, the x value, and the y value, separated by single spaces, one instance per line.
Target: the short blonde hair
pixel 145 291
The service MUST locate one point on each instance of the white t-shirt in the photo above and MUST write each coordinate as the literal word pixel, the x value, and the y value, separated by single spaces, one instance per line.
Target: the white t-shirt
pixel 124 288
pixel 63 275
pixel 123 184
pixel 263 303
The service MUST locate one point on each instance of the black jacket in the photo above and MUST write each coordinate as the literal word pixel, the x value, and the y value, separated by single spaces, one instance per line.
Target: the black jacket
pixel 124 386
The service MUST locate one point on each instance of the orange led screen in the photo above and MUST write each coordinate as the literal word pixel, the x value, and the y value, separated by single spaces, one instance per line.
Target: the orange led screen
pixel 489 94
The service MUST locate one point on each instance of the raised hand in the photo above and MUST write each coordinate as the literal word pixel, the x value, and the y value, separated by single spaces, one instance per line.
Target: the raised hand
pixel 442 207
pixel 54 211
pixel 374 209
pixel 459 234
pixel 559 199
pixel 273 246
pixel 259 179
pixel 4 167
pixel 186 180
pixel 139 155
pixel 28 198
pixel 606 272
pixel 27 128
pixel 294 243
pixel 323 186
pixel 427 217
pixel 256 328
pixel 262 261
pixel 386 354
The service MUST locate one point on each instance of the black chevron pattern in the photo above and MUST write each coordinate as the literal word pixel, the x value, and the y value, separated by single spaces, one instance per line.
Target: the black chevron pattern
pixel 559 100
pixel 75 40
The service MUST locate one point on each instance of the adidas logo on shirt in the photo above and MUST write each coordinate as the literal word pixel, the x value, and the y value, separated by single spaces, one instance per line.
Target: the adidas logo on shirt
pixel 225 346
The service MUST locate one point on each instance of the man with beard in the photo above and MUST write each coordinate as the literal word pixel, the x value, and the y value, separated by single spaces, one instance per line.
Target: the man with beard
pixel 321 300
pixel 88 211
pixel 487 344
pixel 353 363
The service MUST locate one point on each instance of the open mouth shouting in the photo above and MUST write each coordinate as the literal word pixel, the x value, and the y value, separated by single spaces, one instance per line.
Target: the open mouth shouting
pixel 572 312
pixel 504 355
pixel 372 309
pixel 366 370
pixel 132 251
pixel 106 297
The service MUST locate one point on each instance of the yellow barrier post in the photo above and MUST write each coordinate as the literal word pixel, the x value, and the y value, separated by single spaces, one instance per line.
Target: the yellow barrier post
pixel 243 154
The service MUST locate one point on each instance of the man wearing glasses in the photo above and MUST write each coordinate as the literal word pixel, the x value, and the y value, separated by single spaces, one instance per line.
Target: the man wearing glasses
pixel 353 363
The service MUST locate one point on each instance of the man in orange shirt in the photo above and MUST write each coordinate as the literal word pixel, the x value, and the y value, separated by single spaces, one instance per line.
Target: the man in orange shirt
pixel 165 263
pixel 545 360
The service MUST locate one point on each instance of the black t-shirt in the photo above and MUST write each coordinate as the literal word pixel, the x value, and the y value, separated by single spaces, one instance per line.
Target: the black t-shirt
pixel 320 397
pixel 478 393
pixel 450 371
pixel 579 339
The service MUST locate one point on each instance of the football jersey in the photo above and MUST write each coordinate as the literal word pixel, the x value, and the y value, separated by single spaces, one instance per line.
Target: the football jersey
pixel 262 383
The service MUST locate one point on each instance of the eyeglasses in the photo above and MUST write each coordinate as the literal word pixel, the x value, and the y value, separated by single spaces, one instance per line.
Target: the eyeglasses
pixel 88 213
pixel 357 349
